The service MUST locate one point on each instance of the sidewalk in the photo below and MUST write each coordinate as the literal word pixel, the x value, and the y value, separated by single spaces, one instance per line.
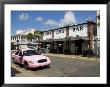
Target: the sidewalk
pixel 76 57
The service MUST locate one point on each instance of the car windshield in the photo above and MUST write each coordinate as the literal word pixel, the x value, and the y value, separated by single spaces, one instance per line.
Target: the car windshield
pixel 30 53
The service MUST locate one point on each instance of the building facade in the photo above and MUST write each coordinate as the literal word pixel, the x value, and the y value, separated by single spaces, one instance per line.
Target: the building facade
pixel 20 38
pixel 70 39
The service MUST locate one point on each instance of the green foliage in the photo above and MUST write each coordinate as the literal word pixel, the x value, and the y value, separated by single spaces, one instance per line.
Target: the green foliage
pixel 13 46
pixel 30 36
pixel 37 34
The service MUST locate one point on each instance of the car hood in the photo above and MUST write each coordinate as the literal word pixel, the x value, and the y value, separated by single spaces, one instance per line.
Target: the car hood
pixel 35 57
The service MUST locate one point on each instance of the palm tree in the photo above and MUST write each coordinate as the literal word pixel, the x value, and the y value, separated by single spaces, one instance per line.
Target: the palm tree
pixel 37 34
pixel 30 36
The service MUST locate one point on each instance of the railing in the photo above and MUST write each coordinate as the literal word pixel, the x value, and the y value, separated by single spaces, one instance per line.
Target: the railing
pixel 15 43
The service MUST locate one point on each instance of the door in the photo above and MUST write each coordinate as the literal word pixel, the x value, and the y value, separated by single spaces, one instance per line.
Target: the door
pixel 17 56
pixel 78 47
pixel 20 57
pixel 60 47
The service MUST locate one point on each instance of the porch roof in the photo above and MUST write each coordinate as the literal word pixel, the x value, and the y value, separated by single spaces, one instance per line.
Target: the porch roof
pixel 64 39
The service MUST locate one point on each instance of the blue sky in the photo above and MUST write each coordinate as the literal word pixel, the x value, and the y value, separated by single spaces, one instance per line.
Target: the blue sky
pixel 46 20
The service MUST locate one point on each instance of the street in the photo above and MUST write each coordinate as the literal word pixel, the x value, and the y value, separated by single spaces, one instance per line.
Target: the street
pixel 60 67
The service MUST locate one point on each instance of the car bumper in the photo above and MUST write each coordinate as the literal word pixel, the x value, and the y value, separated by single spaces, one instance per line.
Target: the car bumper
pixel 36 65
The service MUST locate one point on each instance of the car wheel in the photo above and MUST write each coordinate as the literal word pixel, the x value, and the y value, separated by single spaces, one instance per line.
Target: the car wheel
pixel 26 65
pixel 13 60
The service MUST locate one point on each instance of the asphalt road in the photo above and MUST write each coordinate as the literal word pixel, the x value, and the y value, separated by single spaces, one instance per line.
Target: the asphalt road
pixel 60 67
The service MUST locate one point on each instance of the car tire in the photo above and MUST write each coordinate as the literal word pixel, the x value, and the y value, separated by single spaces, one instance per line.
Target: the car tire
pixel 26 65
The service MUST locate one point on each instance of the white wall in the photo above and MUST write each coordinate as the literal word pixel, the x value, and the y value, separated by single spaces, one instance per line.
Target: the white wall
pixel 47 35
pixel 58 35
pixel 80 33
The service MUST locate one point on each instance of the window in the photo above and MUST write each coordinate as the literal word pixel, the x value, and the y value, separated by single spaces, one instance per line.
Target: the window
pixel 30 52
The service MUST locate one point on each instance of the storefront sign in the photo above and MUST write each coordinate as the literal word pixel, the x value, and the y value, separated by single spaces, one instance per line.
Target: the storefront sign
pixel 80 30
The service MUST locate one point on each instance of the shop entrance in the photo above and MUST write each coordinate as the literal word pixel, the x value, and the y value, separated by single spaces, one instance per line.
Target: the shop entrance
pixel 78 47
pixel 60 47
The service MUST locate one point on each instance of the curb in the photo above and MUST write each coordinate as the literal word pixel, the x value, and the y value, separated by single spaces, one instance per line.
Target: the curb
pixel 75 57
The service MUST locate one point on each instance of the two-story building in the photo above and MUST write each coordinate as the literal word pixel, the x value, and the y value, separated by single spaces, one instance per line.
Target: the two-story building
pixel 72 39
pixel 20 38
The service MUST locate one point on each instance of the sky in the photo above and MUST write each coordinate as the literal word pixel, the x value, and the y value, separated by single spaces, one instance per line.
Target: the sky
pixel 47 20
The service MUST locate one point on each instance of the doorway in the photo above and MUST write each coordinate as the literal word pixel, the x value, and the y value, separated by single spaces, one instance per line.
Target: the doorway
pixel 78 47
pixel 60 47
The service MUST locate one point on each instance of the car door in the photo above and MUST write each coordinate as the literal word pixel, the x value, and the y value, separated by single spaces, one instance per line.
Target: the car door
pixel 20 57
pixel 17 56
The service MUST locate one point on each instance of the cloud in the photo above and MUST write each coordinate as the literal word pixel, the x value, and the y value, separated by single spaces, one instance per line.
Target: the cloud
pixel 23 16
pixel 39 19
pixel 51 22
pixel 69 18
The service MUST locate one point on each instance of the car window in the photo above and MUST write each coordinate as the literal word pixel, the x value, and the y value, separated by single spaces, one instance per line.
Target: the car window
pixel 30 53
pixel 17 53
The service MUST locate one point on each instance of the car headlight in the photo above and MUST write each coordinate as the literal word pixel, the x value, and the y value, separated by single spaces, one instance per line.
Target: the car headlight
pixel 31 62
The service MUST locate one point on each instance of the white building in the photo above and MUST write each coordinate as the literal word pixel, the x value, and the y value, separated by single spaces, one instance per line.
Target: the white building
pixel 75 38
pixel 47 35
pixel 20 38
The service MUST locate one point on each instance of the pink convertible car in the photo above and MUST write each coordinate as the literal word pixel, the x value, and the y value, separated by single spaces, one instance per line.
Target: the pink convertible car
pixel 30 58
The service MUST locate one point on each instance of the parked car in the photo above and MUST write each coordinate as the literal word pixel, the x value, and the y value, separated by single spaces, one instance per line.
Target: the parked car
pixel 37 49
pixel 30 58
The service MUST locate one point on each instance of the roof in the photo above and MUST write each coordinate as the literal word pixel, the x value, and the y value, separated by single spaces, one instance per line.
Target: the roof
pixel 27 49
pixel 70 26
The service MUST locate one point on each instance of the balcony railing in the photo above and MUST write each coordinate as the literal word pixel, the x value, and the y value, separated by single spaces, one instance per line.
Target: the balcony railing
pixel 25 42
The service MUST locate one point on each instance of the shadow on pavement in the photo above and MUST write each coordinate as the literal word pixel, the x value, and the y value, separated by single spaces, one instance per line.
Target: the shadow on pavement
pixel 14 72
pixel 40 68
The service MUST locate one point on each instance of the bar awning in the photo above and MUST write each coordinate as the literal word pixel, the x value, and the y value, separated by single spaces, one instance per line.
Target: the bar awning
pixel 48 40
pixel 79 38
pixel 64 39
